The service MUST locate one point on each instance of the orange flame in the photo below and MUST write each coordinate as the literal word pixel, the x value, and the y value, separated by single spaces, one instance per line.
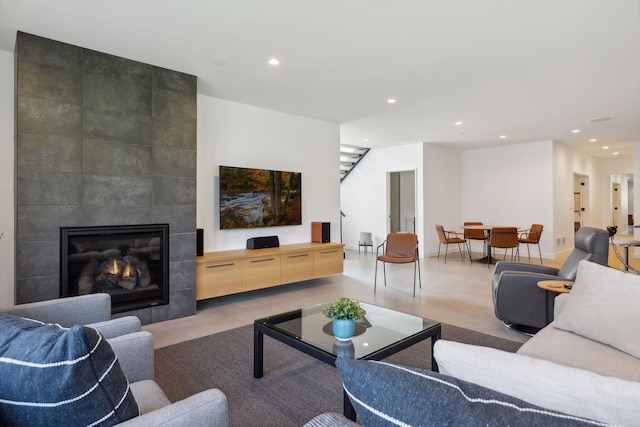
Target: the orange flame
pixel 113 269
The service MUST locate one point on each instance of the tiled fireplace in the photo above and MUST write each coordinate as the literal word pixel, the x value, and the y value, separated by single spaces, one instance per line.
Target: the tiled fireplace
pixel 102 140
pixel 129 262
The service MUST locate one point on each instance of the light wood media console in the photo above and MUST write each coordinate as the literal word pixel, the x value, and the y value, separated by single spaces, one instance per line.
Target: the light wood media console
pixel 229 272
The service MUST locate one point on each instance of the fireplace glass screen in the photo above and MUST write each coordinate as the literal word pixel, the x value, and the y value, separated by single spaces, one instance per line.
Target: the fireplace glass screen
pixel 129 262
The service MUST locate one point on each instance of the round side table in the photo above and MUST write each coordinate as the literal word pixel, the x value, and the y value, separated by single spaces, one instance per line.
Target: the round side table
pixel 556 286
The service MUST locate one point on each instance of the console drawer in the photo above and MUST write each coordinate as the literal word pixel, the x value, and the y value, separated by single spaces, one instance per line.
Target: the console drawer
pixel 218 278
pixel 296 267
pixel 228 272
pixel 328 261
pixel 260 272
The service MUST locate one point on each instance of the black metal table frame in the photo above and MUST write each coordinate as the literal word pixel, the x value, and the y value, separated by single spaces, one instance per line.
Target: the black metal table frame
pixel 626 245
pixel 260 329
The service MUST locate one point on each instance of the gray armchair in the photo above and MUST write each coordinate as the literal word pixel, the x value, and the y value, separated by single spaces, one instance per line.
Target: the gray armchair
pixel 134 349
pixel 517 299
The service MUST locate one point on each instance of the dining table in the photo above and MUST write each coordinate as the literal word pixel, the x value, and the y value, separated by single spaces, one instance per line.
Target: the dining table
pixel 487 229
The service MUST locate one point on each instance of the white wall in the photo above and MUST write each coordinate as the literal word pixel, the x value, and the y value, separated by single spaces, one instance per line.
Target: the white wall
pixel 7 157
pixel 363 194
pixel 636 193
pixel 566 163
pixel 233 134
pixel 511 185
pixel 228 133
pixel 518 184
pixel 442 192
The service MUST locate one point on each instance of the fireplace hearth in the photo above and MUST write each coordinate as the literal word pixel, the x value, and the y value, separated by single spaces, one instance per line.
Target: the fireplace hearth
pixel 129 262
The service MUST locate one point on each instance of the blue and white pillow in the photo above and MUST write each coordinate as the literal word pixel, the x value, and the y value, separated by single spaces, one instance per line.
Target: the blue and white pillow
pixel 391 395
pixel 59 377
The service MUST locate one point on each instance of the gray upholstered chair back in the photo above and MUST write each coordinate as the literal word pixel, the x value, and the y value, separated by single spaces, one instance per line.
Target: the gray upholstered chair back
pixel 591 244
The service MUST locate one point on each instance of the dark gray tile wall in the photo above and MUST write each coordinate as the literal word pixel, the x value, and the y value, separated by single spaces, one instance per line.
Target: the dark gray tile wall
pixel 102 140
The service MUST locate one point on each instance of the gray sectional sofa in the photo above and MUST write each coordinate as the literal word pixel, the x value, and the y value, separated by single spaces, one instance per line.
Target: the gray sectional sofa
pixel 135 355
pixel 584 367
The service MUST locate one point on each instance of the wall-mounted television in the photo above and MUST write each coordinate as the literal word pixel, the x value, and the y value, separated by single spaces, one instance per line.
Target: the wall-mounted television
pixel 259 198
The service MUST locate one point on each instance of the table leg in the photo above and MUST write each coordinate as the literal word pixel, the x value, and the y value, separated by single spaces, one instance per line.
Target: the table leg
pixel 546 307
pixel 488 249
pixel 434 363
pixel 626 258
pixel 347 408
pixel 258 352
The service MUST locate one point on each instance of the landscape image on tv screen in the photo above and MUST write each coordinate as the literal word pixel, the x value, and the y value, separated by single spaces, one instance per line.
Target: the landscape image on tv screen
pixel 259 198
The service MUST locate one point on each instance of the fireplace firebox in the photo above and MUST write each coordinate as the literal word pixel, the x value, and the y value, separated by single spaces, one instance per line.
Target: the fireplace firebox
pixel 129 262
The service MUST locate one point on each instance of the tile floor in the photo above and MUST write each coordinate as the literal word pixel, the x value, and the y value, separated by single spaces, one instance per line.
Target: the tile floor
pixel 458 293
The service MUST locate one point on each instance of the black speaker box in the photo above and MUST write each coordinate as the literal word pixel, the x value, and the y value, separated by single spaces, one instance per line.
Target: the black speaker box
pixel 263 242
pixel 199 242
pixel 321 232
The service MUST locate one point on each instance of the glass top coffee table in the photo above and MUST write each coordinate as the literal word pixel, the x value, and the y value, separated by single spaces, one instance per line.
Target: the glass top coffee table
pixel 381 333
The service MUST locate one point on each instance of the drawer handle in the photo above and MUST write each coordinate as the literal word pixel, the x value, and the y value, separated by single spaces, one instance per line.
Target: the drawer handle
pixel 220 265
pixel 298 256
pixel 328 252
pixel 263 260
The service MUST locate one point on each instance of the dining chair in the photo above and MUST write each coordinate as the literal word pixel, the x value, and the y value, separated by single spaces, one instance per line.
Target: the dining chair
pixel 448 238
pixel 531 237
pixel 470 235
pixel 365 240
pixel 398 248
pixel 504 238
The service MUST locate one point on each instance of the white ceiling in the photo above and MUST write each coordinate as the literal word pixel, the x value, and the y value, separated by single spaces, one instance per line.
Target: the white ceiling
pixel 529 69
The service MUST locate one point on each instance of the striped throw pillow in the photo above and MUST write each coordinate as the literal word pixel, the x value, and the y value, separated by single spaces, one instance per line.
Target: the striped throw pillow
pixel 384 394
pixel 54 376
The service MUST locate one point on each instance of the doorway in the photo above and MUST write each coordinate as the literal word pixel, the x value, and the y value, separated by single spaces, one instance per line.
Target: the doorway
pixel 402 202
pixel 621 202
pixel 580 201
pixel 616 211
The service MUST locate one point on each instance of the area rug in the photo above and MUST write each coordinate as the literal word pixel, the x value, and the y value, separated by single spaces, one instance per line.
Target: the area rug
pixel 295 387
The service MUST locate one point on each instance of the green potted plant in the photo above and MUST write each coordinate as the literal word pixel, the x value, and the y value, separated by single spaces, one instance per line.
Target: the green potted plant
pixel 344 313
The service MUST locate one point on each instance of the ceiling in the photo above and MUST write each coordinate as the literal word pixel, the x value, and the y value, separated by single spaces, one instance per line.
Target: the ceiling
pixel 528 70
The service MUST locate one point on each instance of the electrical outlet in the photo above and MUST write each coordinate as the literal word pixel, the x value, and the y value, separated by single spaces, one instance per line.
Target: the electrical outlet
pixel 558 241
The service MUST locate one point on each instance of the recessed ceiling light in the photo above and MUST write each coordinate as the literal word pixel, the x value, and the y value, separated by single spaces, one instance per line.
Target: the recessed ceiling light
pixel 458 123
pixel 615 153
pixel 503 136
pixel 600 119
pixel 220 62
pixel 576 131
pixel 593 140
pixel 365 139
pixel 274 61
pixel 605 147
pixel 391 101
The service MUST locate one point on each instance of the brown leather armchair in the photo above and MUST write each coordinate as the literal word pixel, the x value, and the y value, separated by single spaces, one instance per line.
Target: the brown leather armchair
pixel 532 237
pixel 448 238
pixel 504 238
pixel 517 299
pixel 399 248
pixel 470 235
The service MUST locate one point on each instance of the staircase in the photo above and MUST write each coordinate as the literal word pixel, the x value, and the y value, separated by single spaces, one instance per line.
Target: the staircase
pixel 350 156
